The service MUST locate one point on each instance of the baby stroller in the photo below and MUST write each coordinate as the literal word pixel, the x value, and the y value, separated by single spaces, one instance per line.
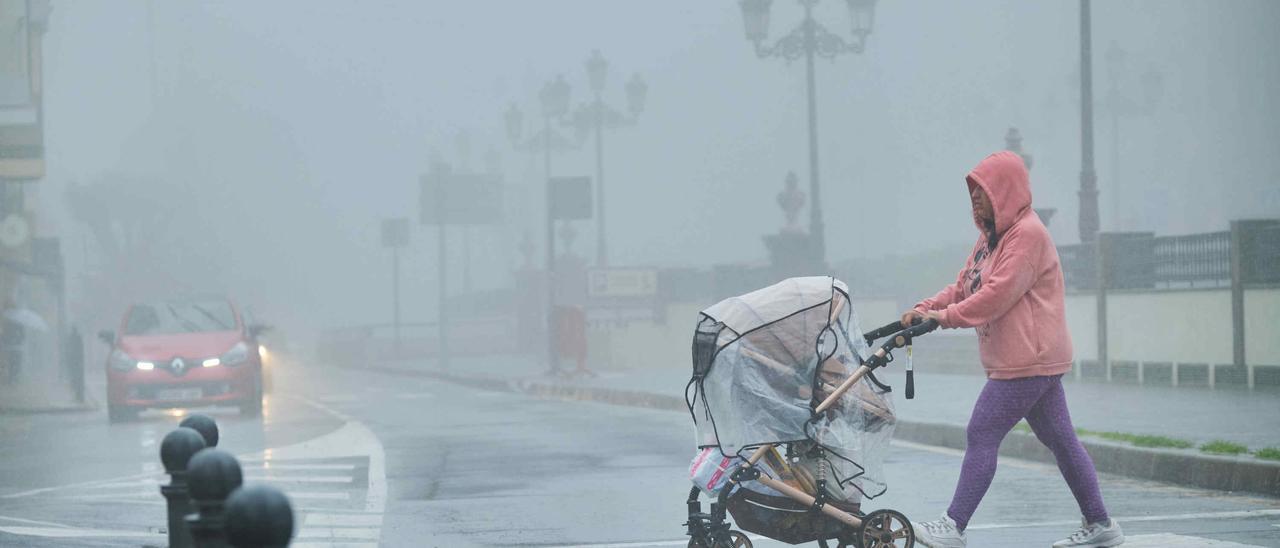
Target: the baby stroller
pixel 792 423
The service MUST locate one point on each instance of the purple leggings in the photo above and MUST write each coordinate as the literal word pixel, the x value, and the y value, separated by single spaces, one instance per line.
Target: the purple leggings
pixel 1000 406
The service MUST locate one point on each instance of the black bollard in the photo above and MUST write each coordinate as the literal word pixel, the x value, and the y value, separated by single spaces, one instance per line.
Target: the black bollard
pixel 205 426
pixel 259 516
pixel 176 449
pixel 212 474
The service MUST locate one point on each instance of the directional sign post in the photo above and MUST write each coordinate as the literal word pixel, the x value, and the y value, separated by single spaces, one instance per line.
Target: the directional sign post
pixel 395 235
pixel 568 198
pixel 449 198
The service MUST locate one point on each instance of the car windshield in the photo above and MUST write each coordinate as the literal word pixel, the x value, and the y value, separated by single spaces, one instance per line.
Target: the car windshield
pixel 180 317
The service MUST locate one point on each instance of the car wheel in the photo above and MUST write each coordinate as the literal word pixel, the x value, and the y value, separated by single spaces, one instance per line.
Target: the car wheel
pixel 252 407
pixel 118 413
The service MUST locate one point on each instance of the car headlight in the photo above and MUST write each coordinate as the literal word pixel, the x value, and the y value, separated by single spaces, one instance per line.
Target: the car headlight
pixel 237 355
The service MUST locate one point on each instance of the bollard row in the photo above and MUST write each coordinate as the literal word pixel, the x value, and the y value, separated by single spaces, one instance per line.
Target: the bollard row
pixel 208 506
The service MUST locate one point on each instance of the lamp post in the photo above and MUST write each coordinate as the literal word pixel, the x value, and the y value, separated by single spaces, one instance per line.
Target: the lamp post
pixel 808 39
pixel 554 99
pixel 1088 177
pixel 596 115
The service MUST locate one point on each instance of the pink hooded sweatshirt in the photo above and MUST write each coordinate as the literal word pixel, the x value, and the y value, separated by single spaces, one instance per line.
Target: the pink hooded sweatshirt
pixel 1013 294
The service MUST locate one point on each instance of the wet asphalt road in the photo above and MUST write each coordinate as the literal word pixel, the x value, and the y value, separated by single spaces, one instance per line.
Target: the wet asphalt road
pixel 372 459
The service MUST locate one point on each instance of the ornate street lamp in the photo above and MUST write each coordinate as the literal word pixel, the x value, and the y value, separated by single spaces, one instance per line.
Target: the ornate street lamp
pixel 595 116
pixel 806 40
pixel 554 100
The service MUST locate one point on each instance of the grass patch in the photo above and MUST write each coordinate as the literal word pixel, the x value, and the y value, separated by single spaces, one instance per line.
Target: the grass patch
pixel 1022 427
pixel 1269 453
pixel 1219 447
pixel 1139 440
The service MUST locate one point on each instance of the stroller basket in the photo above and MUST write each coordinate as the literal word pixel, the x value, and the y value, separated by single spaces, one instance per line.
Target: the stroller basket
pixel 784 519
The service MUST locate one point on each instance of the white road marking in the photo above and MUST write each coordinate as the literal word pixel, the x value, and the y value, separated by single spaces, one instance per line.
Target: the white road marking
pixel 353 439
pixel 1132 519
pixel 32 521
pixel 1163 540
pixel 333 544
pixel 73 532
pixel 300 479
pixel 269 466
pixel 91 483
pixel 342 520
pixel 1167 540
pixel 340 533
pixel 319 495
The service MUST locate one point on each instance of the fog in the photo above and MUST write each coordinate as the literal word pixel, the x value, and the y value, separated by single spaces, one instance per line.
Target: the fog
pixel 275 136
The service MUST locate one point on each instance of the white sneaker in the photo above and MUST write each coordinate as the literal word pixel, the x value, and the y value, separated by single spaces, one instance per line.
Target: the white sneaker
pixel 940 533
pixel 1094 535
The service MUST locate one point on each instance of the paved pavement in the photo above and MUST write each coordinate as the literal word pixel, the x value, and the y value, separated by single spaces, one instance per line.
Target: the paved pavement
pixel 1197 414
pixel 392 460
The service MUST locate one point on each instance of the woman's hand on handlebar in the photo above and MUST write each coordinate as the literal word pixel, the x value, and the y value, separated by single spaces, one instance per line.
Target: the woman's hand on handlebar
pixel 912 315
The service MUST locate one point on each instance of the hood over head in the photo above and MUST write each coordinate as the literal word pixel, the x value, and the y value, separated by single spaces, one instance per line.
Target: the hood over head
pixel 1004 177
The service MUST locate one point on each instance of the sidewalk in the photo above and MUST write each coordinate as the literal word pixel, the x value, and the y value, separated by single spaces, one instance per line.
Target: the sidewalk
pixel 1194 414
pixel 40 389
pixel 938 414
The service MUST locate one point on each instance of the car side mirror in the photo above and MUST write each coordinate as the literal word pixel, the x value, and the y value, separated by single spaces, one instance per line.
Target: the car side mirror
pixel 108 336
pixel 258 329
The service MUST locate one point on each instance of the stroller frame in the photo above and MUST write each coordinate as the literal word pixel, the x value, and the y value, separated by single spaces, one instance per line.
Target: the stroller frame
pixel 879 529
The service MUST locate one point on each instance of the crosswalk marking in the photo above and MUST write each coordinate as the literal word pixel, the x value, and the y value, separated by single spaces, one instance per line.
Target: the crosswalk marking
pixel 300 479
pixel 333 545
pixel 1167 540
pixel 281 466
pixel 342 520
pixel 340 533
pixel 76 532
pixel 319 495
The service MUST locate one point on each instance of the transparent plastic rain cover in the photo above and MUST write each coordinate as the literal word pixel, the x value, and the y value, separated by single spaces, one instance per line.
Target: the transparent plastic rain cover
pixel 764 360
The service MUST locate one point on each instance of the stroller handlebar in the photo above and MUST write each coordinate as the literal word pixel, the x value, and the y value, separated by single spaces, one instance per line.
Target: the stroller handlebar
pixel 917 328
pixel 898 338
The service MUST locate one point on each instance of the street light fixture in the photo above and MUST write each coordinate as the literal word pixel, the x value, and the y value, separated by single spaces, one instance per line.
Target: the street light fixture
pixel 806 40
pixel 554 99
pixel 597 116
pixel 755 17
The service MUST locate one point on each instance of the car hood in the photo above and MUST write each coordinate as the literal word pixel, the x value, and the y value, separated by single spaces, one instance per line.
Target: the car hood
pixel 185 345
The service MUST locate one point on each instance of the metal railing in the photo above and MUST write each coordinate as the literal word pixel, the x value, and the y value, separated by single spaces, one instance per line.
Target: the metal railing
pixel 1142 260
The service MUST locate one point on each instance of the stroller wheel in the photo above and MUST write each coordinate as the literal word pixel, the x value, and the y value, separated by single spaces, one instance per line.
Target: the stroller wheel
pixel 885 529
pixel 736 539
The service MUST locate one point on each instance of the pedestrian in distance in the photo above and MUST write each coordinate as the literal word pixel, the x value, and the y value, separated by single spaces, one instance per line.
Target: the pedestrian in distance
pixel 1011 291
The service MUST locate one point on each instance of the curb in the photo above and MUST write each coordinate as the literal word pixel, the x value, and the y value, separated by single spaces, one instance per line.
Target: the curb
pixel 1177 466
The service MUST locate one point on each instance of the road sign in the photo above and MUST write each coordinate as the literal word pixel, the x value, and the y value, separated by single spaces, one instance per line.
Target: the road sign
pixel 21 131
pixel 622 282
pixel 460 199
pixel 395 232
pixel 569 198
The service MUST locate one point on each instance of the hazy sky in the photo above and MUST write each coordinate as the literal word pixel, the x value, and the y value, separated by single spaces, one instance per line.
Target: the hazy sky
pixel 312 121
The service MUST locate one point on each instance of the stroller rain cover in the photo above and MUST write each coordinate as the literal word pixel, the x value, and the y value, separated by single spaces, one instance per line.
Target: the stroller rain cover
pixel 764 360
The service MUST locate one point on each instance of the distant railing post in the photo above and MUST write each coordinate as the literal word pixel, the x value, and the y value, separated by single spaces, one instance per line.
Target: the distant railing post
pixel 1237 301
pixel 1102 261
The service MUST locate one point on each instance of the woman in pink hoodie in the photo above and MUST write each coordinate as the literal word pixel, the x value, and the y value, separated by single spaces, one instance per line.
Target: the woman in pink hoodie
pixel 1011 291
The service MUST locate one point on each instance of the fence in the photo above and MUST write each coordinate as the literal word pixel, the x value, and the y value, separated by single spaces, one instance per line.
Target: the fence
pixel 1206 303
pixel 1142 260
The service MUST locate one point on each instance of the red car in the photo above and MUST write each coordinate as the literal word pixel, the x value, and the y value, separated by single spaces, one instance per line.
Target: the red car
pixel 183 354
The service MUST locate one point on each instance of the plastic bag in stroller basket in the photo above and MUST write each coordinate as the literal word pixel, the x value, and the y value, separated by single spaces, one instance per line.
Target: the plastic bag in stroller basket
pixel 710 471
